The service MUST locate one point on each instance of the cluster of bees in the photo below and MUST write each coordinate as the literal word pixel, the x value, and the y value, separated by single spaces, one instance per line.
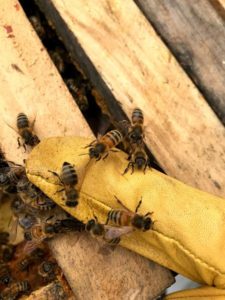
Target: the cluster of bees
pixel 41 219
pixel 77 85
pixel 38 216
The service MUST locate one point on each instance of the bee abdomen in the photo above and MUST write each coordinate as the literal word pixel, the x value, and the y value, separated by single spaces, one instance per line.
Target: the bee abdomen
pixel 69 175
pixel 115 136
pixel 24 286
pixel 137 116
pixel 115 241
pixel 22 121
pixel 115 216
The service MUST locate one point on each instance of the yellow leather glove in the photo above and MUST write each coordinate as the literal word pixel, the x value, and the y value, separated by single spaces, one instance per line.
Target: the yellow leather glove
pixel 189 230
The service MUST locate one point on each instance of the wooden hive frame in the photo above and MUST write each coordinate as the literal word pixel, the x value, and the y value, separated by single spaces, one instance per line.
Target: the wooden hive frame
pixel 132 66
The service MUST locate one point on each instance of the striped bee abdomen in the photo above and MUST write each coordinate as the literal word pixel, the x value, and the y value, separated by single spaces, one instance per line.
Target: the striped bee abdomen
pixel 22 121
pixel 69 175
pixel 114 137
pixel 137 116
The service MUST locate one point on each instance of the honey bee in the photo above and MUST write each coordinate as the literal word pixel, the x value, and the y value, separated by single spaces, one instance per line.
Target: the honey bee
pixel 129 218
pixel 7 252
pixel 37 234
pixel 78 92
pixel 57 292
pixel 14 289
pixel 5 274
pixel 23 214
pixel 36 255
pixel 139 159
pixel 100 148
pixel 69 224
pixel 56 56
pixel 25 130
pixel 136 132
pixel 47 270
pixel 33 196
pixel 4 238
pixel 39 28
pixel 9 177
pixel 68 179
pixel 109 234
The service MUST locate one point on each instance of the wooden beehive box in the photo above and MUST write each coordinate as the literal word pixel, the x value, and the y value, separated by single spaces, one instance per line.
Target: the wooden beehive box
pixel 135 53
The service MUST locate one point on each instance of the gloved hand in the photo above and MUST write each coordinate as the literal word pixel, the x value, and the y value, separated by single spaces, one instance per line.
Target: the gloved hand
pixel 189 228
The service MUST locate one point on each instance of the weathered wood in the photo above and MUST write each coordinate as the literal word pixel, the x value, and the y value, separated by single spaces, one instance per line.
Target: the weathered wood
pixel 29 82
pixel 126 60
pixel 195 33
pixel 121 283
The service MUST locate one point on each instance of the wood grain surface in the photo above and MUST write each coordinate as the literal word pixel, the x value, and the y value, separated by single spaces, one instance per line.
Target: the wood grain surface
pixel 29 82
pixel 128 61
pixel 194 32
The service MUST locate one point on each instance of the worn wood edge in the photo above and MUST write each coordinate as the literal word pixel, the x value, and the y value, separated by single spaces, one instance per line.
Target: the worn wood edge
pixel 15 102
pixel 195 55
pixel 196 161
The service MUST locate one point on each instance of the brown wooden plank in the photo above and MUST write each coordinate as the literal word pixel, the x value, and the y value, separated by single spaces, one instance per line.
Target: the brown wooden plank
pixel 195 33
pixel 29 82
pixel 127 61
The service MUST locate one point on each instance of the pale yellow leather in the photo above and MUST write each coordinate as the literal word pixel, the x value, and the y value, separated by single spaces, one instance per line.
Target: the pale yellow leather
pixel 207 293
pixel 189 230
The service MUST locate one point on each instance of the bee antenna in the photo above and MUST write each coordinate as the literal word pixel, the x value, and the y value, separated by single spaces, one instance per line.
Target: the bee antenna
pixel 96 218
pixel 83 154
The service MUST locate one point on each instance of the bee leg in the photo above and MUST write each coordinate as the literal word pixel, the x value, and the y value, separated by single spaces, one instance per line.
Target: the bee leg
pixel 107 221
pixel 18 141
pixel 138 206
pixel 57 175
pixel 24 146
pixel 148 213
pixel 59 191
pixel 118 200
pixel 128 167
pixel 96 218
pixel 89 145
pixel 146 165
pixel 114 150
pixel 105 156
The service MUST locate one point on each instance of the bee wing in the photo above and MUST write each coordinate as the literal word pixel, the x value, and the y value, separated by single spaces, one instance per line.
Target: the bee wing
pixel 123 126
pixel 115 232
pixel 32 245
pixel 13 225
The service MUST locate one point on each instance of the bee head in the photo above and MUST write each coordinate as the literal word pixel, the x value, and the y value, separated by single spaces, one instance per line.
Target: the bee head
pixel 96 151
pixel 17 205
pixel 90 224
pixel 141 222
pixel 47 266
pixel 34 141
pixel 49 228
pixel 5 279
pixel 4 179
pixel 147 224
pixel 140 162
pixel 27 136
pixel 27 236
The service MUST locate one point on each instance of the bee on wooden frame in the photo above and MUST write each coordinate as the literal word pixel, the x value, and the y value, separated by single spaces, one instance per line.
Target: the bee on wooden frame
pixel 31 258
pixel 33 196
pixel 14 289
pixel 25 129
pixel 38 233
